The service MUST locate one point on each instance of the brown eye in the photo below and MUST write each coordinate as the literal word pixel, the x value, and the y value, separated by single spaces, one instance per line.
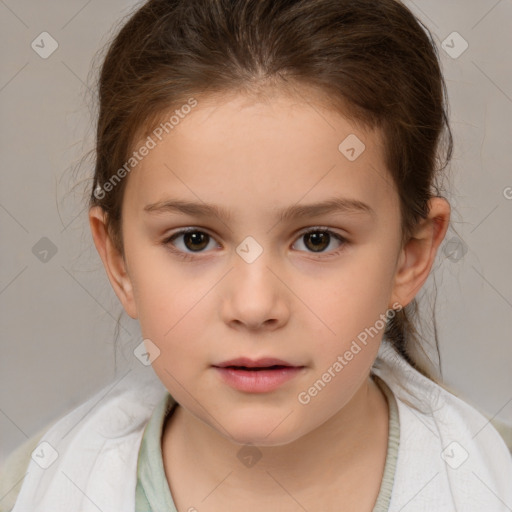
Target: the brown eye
pixel 319 240
pixel 193 241
pixel 316 240
pixel 189 242
pixel 196 240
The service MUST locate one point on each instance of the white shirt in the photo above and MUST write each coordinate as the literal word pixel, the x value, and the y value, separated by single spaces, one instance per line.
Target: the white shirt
pixel 450 458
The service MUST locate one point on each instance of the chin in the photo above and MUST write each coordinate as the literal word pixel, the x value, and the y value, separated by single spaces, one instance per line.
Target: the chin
pixel 261 433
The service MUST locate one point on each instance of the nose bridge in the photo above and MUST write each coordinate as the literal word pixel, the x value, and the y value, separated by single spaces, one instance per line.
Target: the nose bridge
pixel 252 262
pixel 254 293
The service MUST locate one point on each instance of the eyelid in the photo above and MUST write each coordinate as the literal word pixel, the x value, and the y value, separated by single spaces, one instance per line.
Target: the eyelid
pixel 317 228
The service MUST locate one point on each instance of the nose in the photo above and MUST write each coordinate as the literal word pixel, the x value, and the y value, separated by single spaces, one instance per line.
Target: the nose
pixel 255 296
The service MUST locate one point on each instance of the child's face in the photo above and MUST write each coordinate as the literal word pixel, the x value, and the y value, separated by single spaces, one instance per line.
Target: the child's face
pixel 290 302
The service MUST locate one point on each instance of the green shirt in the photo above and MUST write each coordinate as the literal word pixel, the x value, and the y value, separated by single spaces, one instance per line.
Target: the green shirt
pixel 153 494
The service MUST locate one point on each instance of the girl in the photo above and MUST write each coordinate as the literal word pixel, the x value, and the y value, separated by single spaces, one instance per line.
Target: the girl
pixel 264 203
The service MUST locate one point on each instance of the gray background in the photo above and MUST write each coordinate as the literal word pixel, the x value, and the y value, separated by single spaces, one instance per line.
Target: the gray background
pixel 58 316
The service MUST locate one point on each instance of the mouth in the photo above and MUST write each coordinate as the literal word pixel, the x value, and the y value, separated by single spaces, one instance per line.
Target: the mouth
pixel 256 364
pixel 257 368
pixel 257 376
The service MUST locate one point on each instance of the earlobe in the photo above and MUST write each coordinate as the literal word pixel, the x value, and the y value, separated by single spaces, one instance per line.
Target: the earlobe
pixel 417 256
pixel 113 261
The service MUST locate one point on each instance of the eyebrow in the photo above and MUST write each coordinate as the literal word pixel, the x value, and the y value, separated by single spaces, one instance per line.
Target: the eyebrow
pixel 330 206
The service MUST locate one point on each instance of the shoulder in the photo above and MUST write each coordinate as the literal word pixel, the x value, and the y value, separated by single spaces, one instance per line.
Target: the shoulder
pixel 95 445
pixel 14 469
pixel 436 405
pixel 469 427
pixel 448 449
pixel 504 430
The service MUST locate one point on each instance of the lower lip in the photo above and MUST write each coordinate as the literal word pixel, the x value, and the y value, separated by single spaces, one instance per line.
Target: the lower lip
pixel 258 381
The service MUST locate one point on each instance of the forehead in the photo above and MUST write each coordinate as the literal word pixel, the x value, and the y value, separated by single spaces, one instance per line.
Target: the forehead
pixel 268 151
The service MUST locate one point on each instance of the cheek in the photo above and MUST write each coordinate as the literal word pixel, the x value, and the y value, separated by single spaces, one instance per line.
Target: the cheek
pixel 166 299
pixel 170 309
pixel 171 301
pixel 171 315
pixel 348 304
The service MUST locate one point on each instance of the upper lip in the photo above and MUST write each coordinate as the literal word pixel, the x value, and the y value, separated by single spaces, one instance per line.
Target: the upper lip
pixel 254 363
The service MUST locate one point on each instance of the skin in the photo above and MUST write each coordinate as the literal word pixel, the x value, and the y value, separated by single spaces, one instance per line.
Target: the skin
pixel 255 156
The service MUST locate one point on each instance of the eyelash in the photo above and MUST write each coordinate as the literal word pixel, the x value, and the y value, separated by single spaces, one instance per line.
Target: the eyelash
pixel 192 256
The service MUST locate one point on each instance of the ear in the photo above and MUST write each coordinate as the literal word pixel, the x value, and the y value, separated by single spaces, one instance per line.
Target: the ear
pixel 113 261
pixel 417 256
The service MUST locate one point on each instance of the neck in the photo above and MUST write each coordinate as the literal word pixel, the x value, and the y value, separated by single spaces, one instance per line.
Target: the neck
pixel 346 445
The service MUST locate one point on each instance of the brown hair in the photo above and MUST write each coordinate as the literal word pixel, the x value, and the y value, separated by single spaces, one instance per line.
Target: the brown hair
pixel 374 60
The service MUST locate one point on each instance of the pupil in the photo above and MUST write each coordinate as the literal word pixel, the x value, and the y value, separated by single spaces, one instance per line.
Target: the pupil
pixel 196 237
pixel 320 240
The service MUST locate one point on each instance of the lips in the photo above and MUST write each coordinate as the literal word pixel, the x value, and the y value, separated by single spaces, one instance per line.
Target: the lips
pixel 257 375
pixel 246 363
